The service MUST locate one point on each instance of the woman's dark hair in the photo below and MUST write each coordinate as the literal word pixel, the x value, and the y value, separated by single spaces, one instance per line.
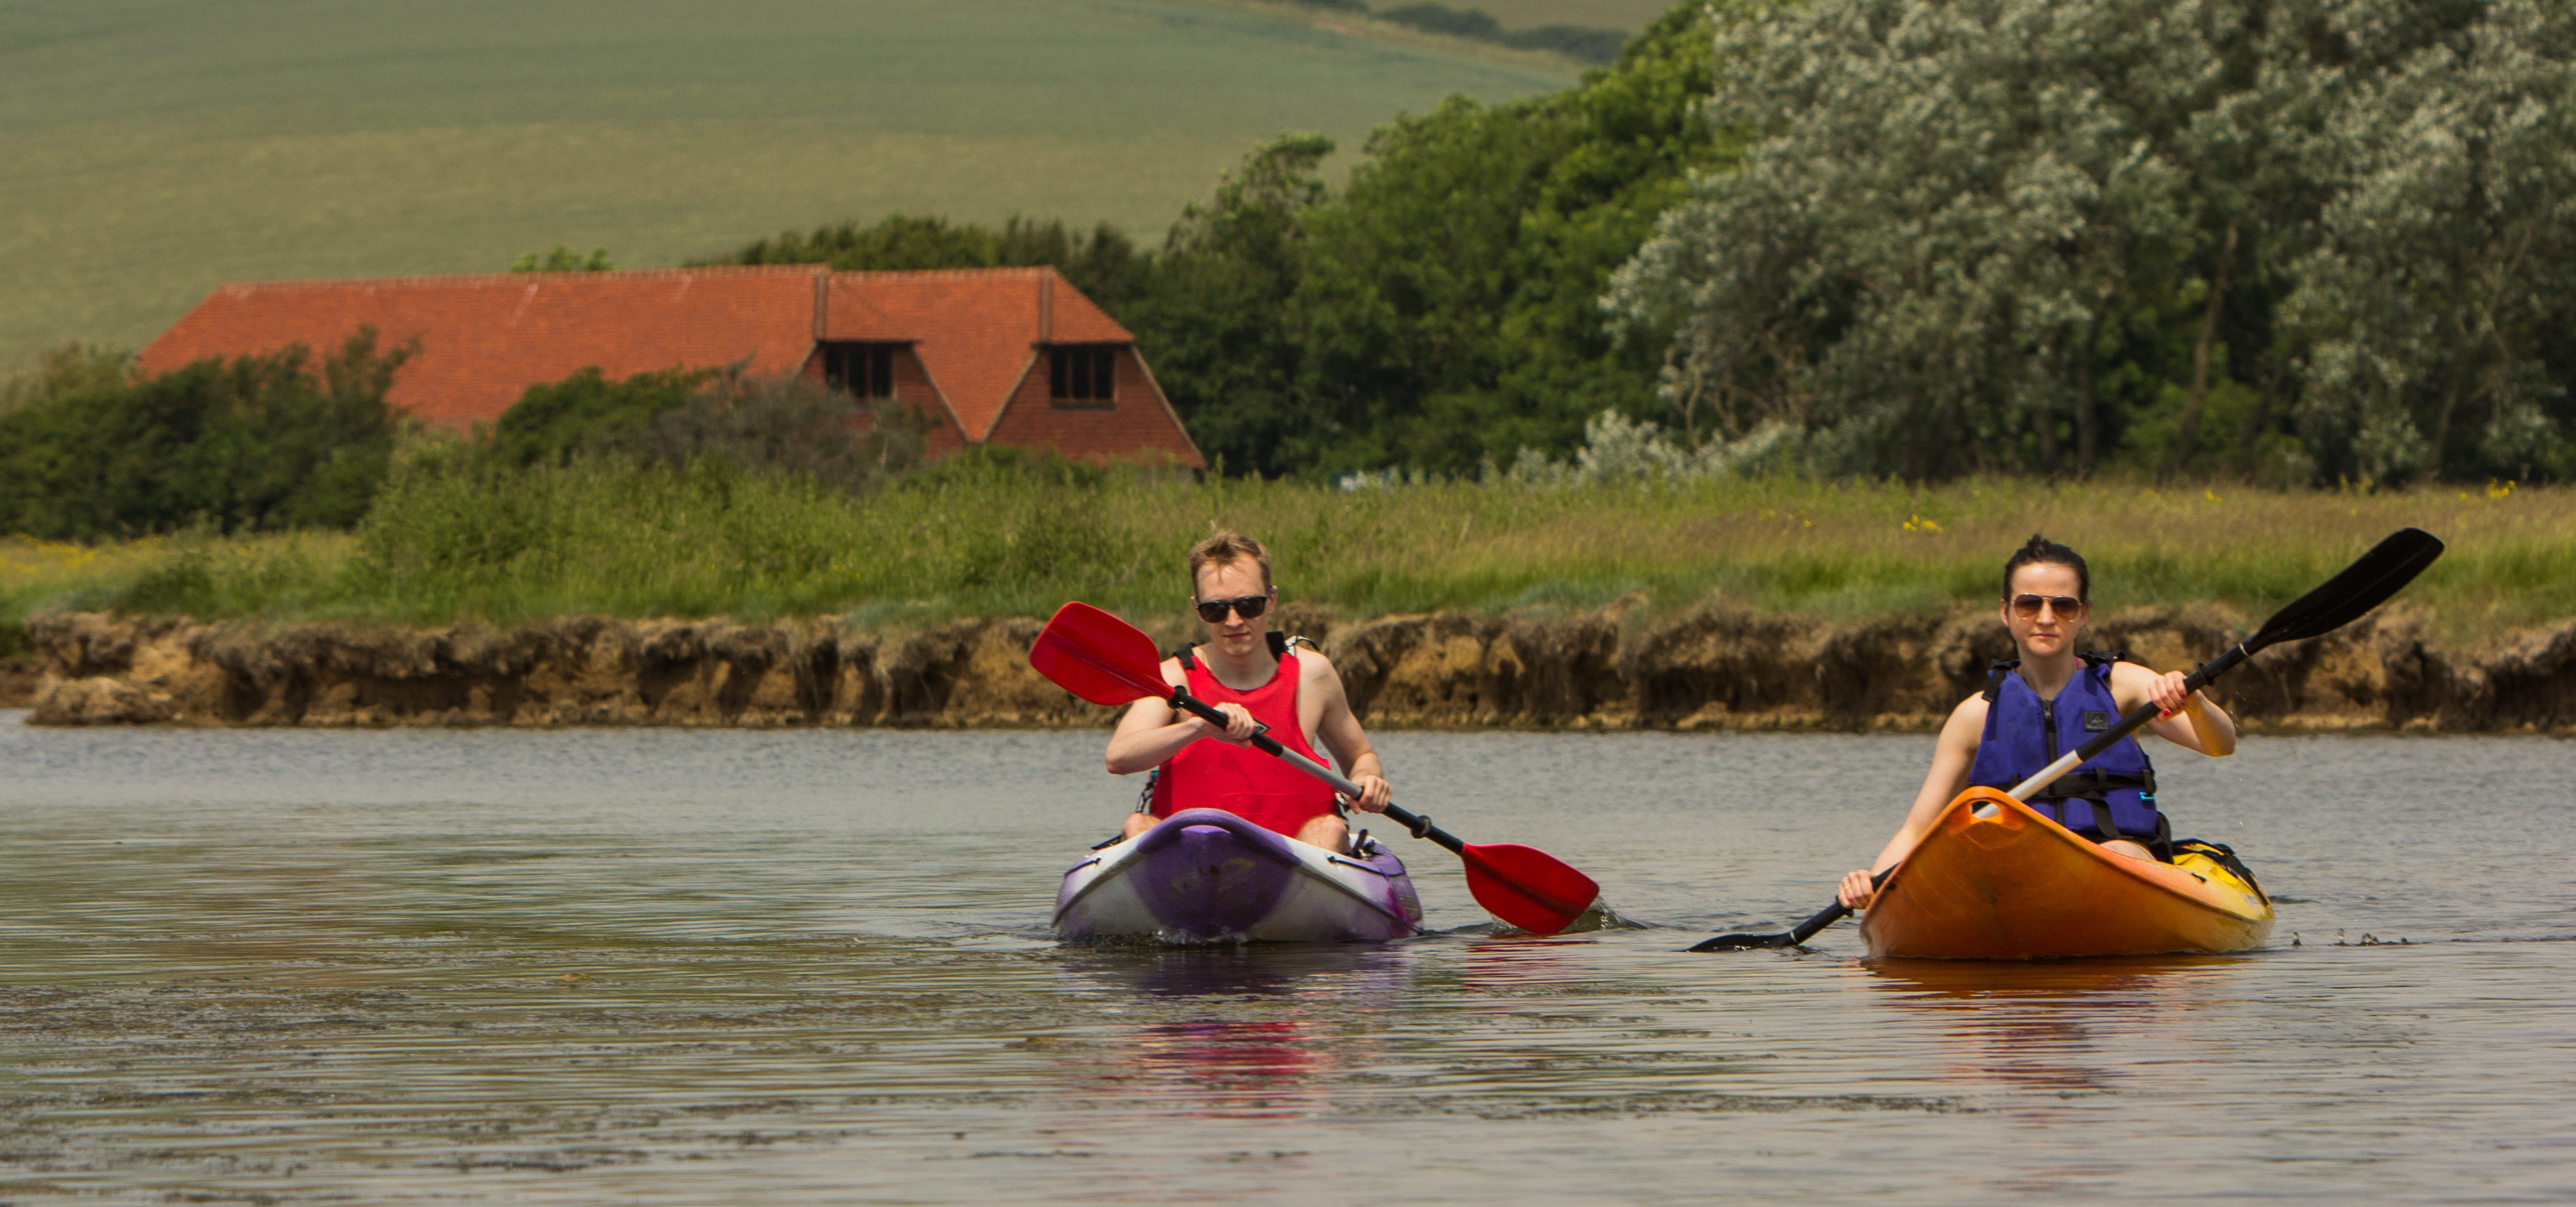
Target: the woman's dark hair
pixel 2040 550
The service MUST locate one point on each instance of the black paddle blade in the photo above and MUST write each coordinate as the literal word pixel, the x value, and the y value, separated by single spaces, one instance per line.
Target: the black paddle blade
pixel 2363 585
pixel 1742 942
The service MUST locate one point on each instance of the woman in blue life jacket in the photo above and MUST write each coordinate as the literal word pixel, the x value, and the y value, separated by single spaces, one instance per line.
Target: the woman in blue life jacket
pixel 2049 703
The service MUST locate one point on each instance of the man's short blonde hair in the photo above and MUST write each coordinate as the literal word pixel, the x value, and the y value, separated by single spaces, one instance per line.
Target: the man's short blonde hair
pixel 1225 549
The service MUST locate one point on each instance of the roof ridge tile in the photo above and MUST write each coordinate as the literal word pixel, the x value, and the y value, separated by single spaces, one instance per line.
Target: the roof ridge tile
pixel 533 278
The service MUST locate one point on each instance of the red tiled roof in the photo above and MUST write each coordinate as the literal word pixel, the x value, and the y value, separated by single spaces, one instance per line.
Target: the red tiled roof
pixel 976 330
pixel 485 339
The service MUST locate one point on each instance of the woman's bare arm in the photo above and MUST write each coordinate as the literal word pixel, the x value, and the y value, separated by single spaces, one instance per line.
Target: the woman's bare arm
pixel 2191 722
pixel 1952 755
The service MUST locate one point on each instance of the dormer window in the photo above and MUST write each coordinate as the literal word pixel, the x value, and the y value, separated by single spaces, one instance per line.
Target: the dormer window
pixel 1083 374
pixel 865 370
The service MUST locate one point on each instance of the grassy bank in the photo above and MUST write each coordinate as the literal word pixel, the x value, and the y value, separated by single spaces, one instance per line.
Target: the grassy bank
pixel 985 541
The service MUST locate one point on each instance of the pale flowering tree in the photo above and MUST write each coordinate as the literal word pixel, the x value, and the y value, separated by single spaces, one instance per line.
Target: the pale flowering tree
pixel 2440 305
pixel 1957 203
pixel 2027 234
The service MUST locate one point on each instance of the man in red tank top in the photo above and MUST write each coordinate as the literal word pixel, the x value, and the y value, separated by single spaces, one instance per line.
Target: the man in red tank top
pixel 1294 692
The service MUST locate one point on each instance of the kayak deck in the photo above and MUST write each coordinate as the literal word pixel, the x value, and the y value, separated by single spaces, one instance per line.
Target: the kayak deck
pixel 1208 876
pixel 1994 880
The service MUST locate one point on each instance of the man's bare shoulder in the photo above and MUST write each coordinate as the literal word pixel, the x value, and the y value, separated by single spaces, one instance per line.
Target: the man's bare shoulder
pixel 1312 664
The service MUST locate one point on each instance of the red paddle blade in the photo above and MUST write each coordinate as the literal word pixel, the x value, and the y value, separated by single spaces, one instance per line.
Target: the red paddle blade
pixel 1098 657
pixel 1528 887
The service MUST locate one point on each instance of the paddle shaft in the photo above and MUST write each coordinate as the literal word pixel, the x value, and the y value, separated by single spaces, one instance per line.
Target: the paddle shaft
pixel 1263 742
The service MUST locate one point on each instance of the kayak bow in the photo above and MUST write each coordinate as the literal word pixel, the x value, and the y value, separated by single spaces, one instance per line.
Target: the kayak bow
pixel 1995 880
pixel 1208 876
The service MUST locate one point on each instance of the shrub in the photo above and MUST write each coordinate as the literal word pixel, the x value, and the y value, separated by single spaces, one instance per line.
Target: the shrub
pixel 257 442
pixel 551 422
pixel 565 259
pixel 782 425
pixel 65 369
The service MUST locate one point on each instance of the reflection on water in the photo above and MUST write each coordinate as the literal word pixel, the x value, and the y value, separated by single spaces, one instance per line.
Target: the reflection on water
pixel 2048 1027
pixel 673 968
pixel 1234 970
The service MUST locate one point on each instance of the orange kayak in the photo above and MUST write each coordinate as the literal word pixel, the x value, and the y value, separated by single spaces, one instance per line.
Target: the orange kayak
pixel 1994 880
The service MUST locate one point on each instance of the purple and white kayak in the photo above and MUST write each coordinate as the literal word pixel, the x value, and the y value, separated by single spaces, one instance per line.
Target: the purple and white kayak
pixel 1208 876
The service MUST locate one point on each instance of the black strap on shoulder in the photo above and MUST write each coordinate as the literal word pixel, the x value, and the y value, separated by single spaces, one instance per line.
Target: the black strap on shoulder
pixel 1278 648
pixel 2000 667
pixel 1995 672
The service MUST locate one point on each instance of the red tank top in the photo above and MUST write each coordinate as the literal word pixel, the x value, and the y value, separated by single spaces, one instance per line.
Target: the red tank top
pixel 1214 774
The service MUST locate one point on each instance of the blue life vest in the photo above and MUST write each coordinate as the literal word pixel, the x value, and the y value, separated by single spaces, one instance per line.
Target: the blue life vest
pixel 2115 791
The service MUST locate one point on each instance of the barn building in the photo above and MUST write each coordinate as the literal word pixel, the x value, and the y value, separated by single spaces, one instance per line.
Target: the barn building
pixel 1003 356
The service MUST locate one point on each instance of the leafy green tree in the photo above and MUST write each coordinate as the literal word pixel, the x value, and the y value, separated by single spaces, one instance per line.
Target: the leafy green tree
pixel 1449 299
pixel 256 442
pixel 1218 323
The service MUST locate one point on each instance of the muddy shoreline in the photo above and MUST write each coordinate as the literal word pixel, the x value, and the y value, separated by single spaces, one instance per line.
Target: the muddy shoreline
pixel 1714 668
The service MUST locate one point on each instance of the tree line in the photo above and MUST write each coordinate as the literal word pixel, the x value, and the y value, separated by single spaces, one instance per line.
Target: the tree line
pixel 1582 43
pixel 2288 241
pixel 1438 310
pixel 2291 241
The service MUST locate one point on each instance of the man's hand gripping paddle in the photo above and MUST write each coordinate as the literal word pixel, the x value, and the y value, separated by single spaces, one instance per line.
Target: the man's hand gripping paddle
pixel 1105 660
pixel 2363 585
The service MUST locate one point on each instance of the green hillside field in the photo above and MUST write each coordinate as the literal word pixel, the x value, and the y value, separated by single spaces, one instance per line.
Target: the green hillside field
pixel 154 148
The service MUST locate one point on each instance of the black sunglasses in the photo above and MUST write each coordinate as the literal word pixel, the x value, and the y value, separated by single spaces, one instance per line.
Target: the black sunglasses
pixel 1250 607
pixel 2027 606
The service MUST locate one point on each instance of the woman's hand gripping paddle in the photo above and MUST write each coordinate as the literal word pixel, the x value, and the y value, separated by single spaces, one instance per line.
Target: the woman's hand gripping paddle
pixel 1108 661
pixel 2363 585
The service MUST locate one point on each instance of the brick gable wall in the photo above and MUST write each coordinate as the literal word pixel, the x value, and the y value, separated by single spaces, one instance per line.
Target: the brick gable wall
pixel 1139 422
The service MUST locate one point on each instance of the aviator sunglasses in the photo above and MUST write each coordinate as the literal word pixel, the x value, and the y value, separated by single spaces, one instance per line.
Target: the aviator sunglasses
pixel 2024 606
pixel 1250 607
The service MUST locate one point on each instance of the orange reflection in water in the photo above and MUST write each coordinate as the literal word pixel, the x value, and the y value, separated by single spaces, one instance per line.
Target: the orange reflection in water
pixel 2044 1026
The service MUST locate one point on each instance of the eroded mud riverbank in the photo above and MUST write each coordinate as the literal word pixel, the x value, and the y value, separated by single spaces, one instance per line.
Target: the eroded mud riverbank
pixel 1706 670
pixel 1715 668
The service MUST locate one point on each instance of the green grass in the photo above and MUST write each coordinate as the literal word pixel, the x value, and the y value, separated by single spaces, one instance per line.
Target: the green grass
pixel 157 148
pixel 970 541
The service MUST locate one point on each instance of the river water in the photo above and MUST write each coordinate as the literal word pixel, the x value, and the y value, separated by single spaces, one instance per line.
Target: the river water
pixel 666 967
